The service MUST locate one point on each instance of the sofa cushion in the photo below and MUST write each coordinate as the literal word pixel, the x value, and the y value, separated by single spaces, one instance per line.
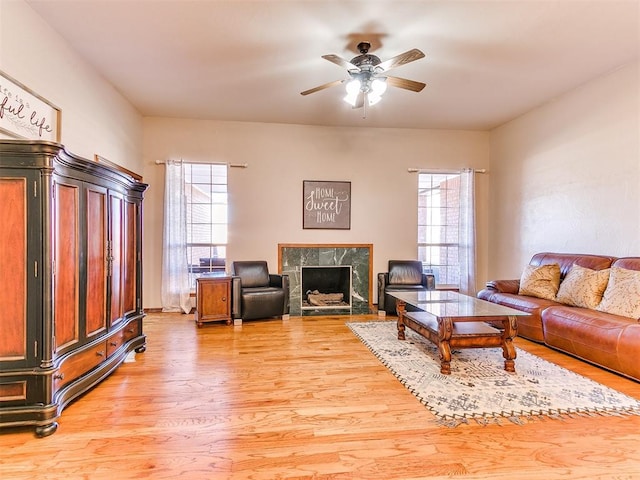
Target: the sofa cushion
pixel 630 263
pixel 583 287
pixel 252 273
pixel 405 288
pixel 622 296
pixel 629 351
pixel 529 327
pixel 263 302
pixel 405 272
pixel 588 334
pixel 540 282
pixel 568 260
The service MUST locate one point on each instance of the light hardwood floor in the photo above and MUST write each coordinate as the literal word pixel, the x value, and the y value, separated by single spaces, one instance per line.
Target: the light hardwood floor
pixel 299 399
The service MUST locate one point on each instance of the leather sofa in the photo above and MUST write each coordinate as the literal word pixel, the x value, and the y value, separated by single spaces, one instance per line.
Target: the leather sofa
pixel 604 339
pixel 401 275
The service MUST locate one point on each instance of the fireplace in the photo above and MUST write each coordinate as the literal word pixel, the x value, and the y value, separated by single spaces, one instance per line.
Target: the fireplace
pixel 325 287
pixel 293 257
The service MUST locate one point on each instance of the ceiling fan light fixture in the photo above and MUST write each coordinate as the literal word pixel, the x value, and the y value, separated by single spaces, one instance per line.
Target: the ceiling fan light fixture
pixel 372 98
pixel 353 90
pixel 379 86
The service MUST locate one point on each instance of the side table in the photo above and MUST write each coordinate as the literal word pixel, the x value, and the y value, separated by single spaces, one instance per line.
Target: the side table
pixel 213 299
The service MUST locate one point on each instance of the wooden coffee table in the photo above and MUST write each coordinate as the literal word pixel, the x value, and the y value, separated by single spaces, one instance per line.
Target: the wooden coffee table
pixel 452 320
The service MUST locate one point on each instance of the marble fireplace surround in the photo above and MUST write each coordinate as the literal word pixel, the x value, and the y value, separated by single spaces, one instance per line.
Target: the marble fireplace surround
pixel 293 256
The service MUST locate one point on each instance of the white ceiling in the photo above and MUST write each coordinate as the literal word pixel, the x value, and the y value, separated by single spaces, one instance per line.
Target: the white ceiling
pixel 486 61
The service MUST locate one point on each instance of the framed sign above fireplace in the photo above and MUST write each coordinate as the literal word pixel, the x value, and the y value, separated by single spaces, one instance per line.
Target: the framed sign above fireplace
pixel 326 204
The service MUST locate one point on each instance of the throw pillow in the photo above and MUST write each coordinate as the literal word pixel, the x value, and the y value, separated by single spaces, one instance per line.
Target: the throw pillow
pixel 583 287
pixel 622 296
pixel 541 282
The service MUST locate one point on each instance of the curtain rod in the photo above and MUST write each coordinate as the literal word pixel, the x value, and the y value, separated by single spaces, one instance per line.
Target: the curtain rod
pixel 416 170
pixel 233 165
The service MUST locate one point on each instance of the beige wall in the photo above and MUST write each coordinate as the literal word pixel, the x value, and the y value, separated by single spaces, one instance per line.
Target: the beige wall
pixel 266 198
pixel 566 176
pixel 96 119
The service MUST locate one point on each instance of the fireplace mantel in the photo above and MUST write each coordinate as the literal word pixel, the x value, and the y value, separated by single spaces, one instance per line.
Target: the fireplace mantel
pixel 292 256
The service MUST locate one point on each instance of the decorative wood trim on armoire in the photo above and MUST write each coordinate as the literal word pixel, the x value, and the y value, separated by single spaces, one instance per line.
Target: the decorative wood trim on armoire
pixel 70 242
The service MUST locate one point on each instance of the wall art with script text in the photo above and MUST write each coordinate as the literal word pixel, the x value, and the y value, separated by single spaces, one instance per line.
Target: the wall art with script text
pixel 326 204
pixel 25 114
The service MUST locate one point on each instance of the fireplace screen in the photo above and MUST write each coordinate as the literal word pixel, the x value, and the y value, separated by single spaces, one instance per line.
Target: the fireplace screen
pixel 326 287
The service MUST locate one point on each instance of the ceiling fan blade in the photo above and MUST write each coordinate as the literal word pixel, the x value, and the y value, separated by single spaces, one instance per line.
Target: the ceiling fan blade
pixel 406 84
pixel 321 87
pixel 402 59
pixel 341 62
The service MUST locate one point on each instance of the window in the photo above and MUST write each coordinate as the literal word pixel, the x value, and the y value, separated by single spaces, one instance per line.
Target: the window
pixel 438 226
pixel 206 209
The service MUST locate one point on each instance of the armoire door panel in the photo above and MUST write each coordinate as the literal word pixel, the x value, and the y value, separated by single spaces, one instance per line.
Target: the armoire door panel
pixel 66 265
pixel 116 229
pixel 129 266
pixel 13 263
pixel 96 294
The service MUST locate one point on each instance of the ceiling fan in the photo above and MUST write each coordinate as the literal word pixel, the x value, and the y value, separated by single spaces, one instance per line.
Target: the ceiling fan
pixel 368 78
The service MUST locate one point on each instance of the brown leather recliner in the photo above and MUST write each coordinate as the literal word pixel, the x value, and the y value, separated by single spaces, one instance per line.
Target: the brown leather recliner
pixel 256 293
pixel 402 275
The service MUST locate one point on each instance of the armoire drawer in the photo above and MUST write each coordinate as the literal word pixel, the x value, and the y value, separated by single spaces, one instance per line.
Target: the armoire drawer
pixel 13 391
pixel 78 364
pixel 114 342
pixel 131 331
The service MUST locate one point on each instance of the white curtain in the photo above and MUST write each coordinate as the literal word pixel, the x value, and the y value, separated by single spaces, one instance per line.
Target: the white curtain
pixel 467 244
pixel 175 276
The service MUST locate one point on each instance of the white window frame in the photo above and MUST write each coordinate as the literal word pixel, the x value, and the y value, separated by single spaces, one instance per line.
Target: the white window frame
pixel 206 218
pixel 438 226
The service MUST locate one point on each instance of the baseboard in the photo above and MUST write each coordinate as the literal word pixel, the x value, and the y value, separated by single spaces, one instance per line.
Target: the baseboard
pixel 159 310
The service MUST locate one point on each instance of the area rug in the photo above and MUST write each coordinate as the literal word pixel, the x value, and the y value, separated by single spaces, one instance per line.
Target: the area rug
pixel 480 390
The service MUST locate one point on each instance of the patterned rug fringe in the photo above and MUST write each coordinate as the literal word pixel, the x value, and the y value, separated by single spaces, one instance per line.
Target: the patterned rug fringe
pixel 534 417
pixel 525 419
pixel 482 421
pixel 517 420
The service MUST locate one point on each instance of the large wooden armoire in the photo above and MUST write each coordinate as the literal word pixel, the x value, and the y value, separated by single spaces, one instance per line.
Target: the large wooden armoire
pixel 71 278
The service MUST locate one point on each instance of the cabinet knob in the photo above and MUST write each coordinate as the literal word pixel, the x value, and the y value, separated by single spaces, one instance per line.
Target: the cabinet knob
pixel 113 344
pixel 224 299
pixel 100 353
